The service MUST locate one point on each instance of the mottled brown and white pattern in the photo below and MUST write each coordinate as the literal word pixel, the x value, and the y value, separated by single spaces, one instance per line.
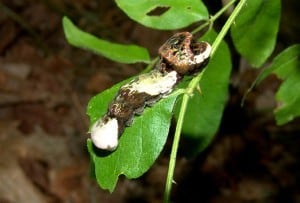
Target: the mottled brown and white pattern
pixel 180 55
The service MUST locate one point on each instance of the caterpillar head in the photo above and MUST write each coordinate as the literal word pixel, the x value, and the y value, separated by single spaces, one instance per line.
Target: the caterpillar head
pixel 183 54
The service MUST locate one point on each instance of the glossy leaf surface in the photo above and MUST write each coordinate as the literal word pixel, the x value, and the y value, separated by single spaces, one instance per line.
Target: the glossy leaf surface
pixel 254 32
pixel 175 14
pixel 139 145
pixel 116 52
pixel 287 67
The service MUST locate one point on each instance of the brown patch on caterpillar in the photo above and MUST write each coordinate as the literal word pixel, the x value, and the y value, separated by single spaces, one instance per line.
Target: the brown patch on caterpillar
pixel 123 108
pixel 129 103
pixel 121 111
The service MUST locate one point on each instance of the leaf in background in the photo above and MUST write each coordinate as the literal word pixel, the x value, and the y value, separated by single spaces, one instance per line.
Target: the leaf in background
pixel 287 67
pixel 140 144
pixel 171 14
pixel 116 52
pixel 288 98
pixel 255 30
pixel 204 112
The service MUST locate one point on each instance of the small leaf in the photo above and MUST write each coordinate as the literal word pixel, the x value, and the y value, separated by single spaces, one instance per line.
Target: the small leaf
pixel 288 98
pixel 204 111
pixel 139 145
pixel 177 13
pixel 283 65
pixel 116 52
pixel 287 67
pixel 255 30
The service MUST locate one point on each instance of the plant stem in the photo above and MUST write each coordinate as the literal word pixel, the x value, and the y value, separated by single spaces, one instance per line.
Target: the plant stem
pixel 150 65
pixel 227 25
pixel 214 17
pixel 173 153
pixel 190 89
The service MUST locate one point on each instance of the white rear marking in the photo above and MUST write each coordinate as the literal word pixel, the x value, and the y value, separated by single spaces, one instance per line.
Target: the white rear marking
pixel 105 135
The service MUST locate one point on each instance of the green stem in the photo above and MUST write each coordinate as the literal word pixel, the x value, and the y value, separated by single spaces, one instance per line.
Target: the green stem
pixel 174 152
pixel 214 17
pixel 227 25
pixel 190 89
pixel 150 65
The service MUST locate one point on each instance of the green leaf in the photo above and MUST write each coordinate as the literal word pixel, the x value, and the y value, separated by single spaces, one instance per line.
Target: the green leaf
pixel 283 65
pixel 255 30
pixel 288 98
pixel 204 111
pixel 287 67
pixel 139 145
pixel 116 52
pixel 177 13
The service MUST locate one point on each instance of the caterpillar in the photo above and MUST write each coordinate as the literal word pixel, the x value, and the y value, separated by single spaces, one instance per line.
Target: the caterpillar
pixel 180 55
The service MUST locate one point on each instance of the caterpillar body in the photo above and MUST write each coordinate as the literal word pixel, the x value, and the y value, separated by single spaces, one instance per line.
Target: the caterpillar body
pixel 180 55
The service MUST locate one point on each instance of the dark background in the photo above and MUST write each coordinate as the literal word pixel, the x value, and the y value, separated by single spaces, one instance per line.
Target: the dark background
pixel 45 85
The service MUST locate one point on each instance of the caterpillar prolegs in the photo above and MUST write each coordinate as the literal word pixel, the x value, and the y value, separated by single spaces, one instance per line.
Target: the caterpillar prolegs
pixel 180 55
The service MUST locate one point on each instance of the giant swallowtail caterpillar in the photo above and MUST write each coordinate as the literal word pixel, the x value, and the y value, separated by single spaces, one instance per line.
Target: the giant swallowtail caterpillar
pixel 180 55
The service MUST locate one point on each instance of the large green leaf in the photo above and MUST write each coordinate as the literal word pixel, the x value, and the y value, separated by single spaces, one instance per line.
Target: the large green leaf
pixel 255 30
pixel 139 145
pixel 287 67
pixel 178 13
pixel 204 112
pixel 116 52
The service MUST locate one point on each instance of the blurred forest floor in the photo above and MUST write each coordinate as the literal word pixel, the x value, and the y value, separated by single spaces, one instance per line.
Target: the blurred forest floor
pixel 45 85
